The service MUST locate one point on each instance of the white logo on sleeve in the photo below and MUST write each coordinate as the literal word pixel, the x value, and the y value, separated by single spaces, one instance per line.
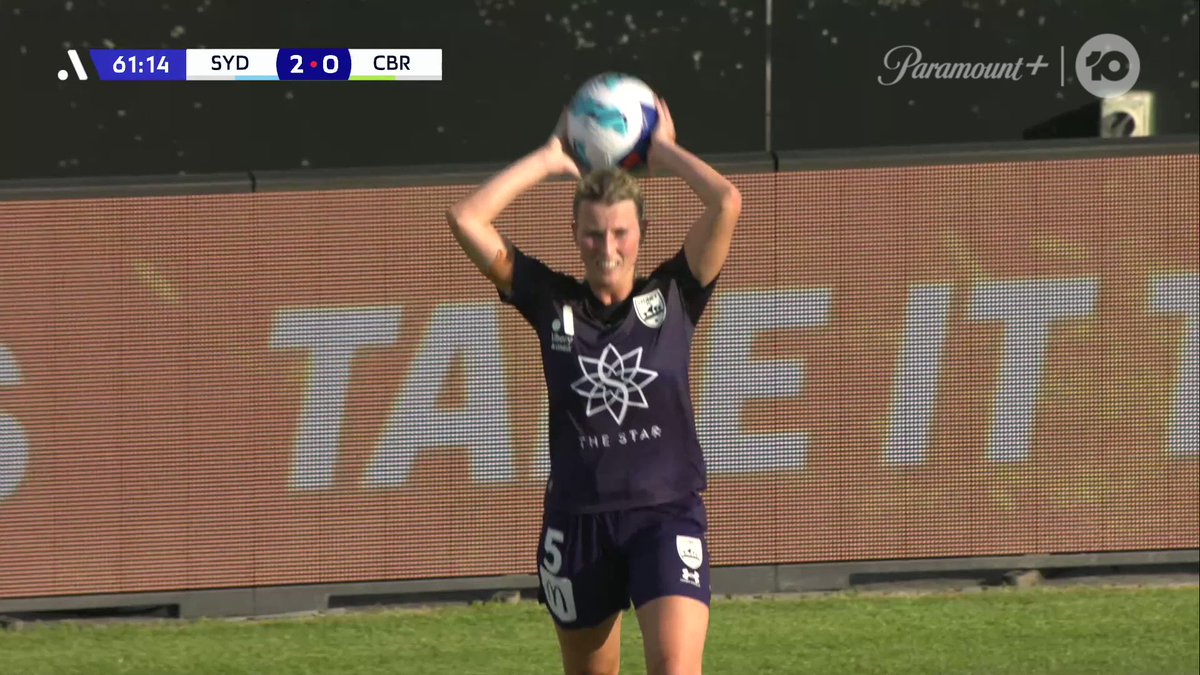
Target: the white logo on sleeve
pixel 651 308
pixel 613 382
pixel 691 551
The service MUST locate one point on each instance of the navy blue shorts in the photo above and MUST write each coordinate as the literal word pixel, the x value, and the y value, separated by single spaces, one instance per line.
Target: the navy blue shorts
pixel 593 565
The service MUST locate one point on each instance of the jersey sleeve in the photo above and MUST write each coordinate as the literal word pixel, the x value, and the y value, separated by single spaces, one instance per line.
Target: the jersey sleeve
pixel 695 297
pixel 533 286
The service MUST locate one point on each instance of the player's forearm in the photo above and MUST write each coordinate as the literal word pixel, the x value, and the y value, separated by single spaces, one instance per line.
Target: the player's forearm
pixel 712 188
pixel 483 205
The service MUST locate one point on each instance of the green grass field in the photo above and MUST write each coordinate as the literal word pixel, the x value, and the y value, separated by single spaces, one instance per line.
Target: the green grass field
pixel 1078 630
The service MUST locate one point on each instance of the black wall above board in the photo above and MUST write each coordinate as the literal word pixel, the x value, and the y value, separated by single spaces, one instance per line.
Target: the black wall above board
pixel 509 65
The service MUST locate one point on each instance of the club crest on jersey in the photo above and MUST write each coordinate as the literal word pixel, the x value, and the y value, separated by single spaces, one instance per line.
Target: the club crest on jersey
pixel 651 308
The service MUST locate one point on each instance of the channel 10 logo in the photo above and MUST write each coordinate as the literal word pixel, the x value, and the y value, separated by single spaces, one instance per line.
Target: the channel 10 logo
pixel 1107 65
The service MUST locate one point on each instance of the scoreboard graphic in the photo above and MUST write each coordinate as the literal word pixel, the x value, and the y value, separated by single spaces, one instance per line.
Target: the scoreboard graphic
pixel 144 65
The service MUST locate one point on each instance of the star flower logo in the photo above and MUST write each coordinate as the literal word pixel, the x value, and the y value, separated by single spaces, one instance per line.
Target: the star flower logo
pixel 613 382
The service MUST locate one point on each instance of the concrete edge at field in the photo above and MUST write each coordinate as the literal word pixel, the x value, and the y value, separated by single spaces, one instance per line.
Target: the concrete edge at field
pixel 740 580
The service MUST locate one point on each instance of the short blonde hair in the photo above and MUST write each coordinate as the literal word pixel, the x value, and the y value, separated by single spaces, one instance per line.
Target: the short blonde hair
pixel 608 186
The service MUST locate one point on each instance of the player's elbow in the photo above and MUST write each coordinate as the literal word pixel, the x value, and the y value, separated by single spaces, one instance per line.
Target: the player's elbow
pixel 729 204
pixel 731 200
pixel 459 218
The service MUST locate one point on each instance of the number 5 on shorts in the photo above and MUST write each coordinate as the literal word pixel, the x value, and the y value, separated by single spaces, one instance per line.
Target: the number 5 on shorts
pixel 559 596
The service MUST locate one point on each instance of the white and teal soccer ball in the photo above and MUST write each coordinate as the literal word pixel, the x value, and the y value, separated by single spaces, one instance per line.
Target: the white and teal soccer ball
pixel 609 122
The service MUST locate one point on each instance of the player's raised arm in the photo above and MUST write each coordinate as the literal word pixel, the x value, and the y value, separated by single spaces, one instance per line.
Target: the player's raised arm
pixel 471 219
pixel 707 242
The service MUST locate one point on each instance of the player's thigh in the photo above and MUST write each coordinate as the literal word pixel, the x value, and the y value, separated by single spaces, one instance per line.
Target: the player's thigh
pixel 669 583
pixel 670 588
pixel 668 553
pixel 674 629
pixel 591 651
pixel 583 580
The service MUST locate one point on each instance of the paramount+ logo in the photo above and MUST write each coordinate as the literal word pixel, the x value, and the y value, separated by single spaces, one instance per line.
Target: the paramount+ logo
pixel 1106 65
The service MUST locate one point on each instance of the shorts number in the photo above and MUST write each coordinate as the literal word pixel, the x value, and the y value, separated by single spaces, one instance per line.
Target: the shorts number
pixel 560 597
pixel 553 562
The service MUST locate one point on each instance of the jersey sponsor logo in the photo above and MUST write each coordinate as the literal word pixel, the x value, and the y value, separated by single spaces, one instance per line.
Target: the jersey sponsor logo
pixel 623 437
pixel 651 308
pixel 562 332
pixel 613 382
pixel 691 551
pixel 558 341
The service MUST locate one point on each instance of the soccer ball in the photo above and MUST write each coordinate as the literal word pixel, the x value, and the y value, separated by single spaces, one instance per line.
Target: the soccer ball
pixel 609 122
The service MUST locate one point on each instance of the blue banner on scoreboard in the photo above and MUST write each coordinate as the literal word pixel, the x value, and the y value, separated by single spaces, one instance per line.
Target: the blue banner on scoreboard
pixel 140 64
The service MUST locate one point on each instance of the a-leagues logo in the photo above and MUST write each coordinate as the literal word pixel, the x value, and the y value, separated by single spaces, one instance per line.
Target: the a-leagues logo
pixel 651 308
pixel 613 382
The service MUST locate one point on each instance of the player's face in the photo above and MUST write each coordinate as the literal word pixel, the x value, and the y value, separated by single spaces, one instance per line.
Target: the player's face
pixel 608 236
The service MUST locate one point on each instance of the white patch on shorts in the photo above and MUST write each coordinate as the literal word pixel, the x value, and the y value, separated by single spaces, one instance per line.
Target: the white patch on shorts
pixel 691 551
pixel 560 597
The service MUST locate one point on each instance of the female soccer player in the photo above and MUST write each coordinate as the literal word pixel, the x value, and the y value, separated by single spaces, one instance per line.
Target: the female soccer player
pixel 623 519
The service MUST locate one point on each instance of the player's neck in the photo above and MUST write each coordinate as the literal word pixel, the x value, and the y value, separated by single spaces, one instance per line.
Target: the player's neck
pixel 611 294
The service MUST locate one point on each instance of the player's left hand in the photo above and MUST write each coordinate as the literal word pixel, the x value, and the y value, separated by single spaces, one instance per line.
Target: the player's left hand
pixel 664 132
pixel 663 136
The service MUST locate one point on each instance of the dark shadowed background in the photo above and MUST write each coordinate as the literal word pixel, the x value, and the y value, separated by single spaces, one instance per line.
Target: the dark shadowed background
pixel 509 65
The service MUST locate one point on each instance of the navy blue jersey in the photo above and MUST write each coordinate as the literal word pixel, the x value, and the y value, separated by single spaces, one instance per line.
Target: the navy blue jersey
pixel 622 433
